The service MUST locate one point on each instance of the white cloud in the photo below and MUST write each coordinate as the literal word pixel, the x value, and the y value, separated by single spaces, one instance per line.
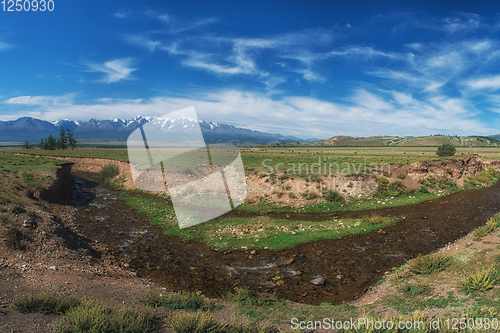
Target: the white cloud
pixel 5 46
pixel 176 25
pixel 492 82
pixel 41 100
pixel 114 70
pixel 366 113
pixel 143 41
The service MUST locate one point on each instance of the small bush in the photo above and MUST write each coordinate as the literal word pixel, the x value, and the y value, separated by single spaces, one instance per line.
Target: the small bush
pixel 93 316
pixel 415 289
pixel 31 214
pixel 201 322
pixel 46 303
pixel 312 195
pixel 14 238
pixel 444 182
pixel 333 196
pixel 430 263
pixel 292 195
pixel 17 209
pixel 445 150
pixel 375 219
pixel 109 171
pixel 382 190
pixel 482 280
pixel 244 296
pixel 402 176
pixel 180 301
pixel 491 225
pixel 396 189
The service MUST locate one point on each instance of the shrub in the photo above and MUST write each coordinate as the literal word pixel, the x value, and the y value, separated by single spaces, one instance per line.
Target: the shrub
pixel 109 171
pixel 93 316
pixel 382 187
pixel 415 289
pixel 444 182
pixel 396 188
pixel 482 280
pixel 291 195
pixel 244 296
pixel 402 176
pixel 14 238
pixel 46 303
pixel 445 150
pixel 491 225
pixel 333 196
pixel 17 209
pixel 430 263
pixel 201 322
pixel 183 300
pixel 312 195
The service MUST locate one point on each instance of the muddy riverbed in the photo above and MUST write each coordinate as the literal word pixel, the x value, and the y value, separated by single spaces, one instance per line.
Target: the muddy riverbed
pixel 349 265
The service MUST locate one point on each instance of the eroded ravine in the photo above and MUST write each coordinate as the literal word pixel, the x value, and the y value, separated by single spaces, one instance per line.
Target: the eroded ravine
pixel 349 265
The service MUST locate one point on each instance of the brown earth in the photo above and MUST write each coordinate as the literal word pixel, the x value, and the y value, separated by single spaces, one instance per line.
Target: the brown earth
pixel 278 191
pixel 59 256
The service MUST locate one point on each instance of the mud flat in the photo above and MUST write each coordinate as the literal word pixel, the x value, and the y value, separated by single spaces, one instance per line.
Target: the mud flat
pixel 349 266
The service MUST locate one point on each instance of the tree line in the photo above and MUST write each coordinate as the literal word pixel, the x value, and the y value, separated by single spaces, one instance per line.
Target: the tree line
pixel 65 140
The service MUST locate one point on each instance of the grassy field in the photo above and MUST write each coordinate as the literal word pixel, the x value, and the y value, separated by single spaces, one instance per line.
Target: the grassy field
pixel 263 159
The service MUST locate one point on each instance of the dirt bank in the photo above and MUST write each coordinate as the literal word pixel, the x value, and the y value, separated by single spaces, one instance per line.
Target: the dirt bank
pixel 285 189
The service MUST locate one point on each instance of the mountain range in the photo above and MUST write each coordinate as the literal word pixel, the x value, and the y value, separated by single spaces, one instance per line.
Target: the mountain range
pixel 102 131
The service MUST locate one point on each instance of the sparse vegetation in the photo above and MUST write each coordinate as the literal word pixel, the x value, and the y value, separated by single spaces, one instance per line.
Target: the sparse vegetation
pixel 178 301
pixel 333 196
pixel 202 322
pixel 14 238
pixel 491 225
pixel 53 302
pixel 430 263
pixel 110 171
pixel 482 280
pixel 93 316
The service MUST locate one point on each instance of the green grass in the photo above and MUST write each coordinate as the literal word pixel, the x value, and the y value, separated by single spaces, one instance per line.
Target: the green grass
pixel 430 263
pixel 109 171
pixel 252 233
pixel 47 303
pixel 491 225
pixel 11 162
pixel 120 154
pixel 202 322
pixel 482 280
pixel 94 317
pixel 178 301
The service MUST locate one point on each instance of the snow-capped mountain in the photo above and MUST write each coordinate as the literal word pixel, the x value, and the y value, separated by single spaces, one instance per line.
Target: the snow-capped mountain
pixel 95 130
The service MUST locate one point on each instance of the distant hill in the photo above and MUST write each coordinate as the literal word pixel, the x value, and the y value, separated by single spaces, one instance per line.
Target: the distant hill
pixel 118 130
pixel 411 141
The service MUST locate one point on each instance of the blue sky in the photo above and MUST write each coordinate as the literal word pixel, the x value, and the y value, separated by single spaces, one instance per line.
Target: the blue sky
pixel 309 69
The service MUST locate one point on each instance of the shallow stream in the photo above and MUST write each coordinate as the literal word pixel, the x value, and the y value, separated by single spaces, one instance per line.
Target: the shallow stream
pixel 349 265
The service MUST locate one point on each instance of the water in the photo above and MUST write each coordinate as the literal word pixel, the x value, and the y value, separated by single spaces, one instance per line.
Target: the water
pixel 349 265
